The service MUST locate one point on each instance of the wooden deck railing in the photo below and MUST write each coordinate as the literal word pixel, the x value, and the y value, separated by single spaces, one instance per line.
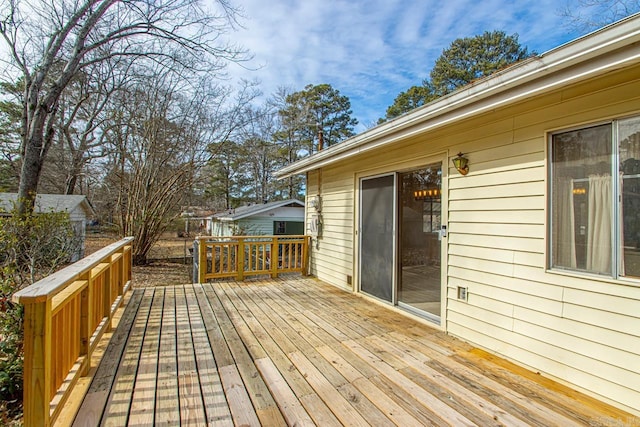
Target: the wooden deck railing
pixel 65 314
pixel 240 256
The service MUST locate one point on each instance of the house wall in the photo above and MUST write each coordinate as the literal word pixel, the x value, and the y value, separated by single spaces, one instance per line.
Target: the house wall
pixel 576 329
pixel 78 219
pixel 297 214
pixel 257 225
pixel 263 226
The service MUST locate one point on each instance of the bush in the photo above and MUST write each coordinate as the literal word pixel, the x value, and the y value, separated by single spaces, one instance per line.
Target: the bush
pixel 11 342
pixel 31 248
pixel 36 245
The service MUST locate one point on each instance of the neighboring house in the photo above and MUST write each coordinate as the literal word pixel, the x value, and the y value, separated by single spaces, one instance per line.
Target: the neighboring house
pixel 273 218
pixel 78 208
pixel 197 220
pixel 540 258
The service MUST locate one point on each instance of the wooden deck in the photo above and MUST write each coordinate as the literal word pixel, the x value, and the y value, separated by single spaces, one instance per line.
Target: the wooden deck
pixel 299 352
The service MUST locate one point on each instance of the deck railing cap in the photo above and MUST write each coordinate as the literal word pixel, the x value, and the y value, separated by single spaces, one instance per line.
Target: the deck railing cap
pixel 49 286
pixel 267 236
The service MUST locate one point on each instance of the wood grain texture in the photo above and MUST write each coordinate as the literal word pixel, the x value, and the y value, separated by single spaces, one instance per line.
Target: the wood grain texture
pixel 295 351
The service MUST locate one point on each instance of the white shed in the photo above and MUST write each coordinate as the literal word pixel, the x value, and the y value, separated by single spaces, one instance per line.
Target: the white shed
pixel 77 206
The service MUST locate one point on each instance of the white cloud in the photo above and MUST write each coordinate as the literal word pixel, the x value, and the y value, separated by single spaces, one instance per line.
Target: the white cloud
pixel 373 50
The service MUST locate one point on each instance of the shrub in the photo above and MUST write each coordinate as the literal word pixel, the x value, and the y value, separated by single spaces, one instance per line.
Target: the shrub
pixel 11 341
pixel 31 247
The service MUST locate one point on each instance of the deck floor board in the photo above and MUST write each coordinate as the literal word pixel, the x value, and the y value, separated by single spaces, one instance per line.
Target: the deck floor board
pixel 296 351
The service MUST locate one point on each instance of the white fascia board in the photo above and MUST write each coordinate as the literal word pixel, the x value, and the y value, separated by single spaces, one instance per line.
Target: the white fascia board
pixel 588 56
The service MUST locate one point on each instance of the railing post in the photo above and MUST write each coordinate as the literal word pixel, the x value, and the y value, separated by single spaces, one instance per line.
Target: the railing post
pixel 202 261
pixel 274 257
pixel 195 270
pixel 37 363
pixel 240 260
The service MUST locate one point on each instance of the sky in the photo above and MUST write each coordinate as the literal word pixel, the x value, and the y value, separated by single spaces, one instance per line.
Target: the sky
pixel 371 50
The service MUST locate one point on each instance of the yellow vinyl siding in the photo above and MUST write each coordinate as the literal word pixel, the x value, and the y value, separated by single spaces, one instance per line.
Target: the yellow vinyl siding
pixel 503 242
pixel 578 329
pixel 543 357
pixel 331 257
pixel 521 202
pixel 499 191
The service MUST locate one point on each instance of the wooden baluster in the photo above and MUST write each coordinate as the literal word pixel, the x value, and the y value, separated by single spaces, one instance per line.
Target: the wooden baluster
pixel 107 297
pixel 274 258
pixel 264 257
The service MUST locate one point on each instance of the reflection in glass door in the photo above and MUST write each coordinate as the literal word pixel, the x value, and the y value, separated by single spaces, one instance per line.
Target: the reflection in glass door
pixel 377 222
pixel 420 221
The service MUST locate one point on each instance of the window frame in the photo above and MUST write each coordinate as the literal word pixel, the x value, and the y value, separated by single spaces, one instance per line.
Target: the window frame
pixel 617 250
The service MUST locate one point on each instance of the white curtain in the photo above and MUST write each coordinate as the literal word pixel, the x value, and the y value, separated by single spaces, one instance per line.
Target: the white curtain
pixel 565 231
pixel 599 226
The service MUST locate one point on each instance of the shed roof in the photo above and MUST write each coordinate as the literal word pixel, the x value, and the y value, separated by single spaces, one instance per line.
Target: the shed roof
pixel 50 202
pixel 608 49
pixel 254 210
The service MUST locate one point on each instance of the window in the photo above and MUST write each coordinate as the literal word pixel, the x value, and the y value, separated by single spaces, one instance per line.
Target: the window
pixel 279 227
pixel 595 219
pixel 288 227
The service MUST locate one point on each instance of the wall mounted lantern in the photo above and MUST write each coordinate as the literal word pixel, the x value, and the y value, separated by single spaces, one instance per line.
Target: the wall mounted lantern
pixel 461 164
pixel 316 203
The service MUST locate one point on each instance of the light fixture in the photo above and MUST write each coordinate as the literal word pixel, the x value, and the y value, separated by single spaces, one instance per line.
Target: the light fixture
pixel 433 193
pixel 316 203
pixel 461 164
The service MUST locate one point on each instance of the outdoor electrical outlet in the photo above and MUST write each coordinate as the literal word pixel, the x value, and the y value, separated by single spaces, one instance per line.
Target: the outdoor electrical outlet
pixel 462 293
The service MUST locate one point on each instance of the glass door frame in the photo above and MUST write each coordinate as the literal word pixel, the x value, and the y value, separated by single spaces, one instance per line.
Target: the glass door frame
pixel 442 242
pixel 417 163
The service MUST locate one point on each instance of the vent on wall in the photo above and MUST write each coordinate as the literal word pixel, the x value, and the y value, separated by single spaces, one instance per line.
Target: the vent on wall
pixel 462 293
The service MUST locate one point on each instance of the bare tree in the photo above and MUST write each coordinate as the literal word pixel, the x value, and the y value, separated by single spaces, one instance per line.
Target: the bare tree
pixel 49 43
pixel 589 15
pixel 81 125
pixel 161 129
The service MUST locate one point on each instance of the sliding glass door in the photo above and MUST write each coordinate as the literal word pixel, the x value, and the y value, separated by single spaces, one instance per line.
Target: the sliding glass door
pixel 400 239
